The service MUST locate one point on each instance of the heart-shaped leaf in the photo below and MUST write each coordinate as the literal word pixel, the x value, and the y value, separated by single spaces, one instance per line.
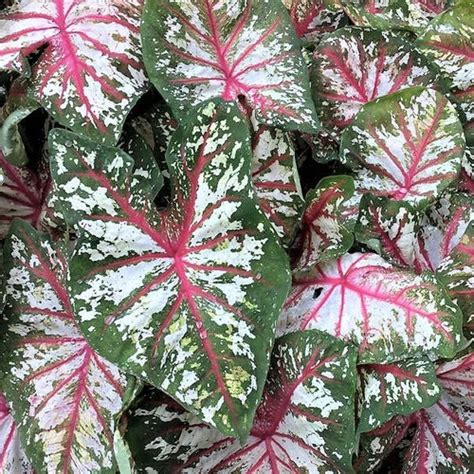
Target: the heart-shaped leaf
pixel 12 456
pixel 444 433
pixel 457 273
pixel 395 389
pixel 22 194
pixel 312 18
pixel 195 51
pixel 305 422
pixel 391 314
pixel 275 179
pixel 447 42
pixel 64 395
pixel 412 15
pixel 407 146
pixel 90 74
pixel 324 233
pixel 186 298
pixel 343 79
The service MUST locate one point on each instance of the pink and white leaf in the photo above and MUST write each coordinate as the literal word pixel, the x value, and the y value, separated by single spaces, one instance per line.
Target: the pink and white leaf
pixel 195 51
pixel 389 228
pixel 394 389
pixel 413 15
pixel 443 437
pixel 407 146
pixel 442 228
pixel 325 234
pixel 90 73
pixel 65 396
pixel 313 18
pixel 304 422
pixel 12 456
pixel 457 273
pixel 389 313
pixel 22 195
pixel 186 298
pixel 275 179
pixel 344 79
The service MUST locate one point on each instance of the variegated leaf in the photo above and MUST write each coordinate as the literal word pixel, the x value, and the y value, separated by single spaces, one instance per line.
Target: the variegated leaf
pixel 90 73
pixel 186 298
pixel 408 238
pixel 64 395
pixel 305 422
pixel 389 228
pixel 354 66
pixel 407 146
pixel 457 273
pixel 391 314
pixel 275 179
pixel 448 42
pixel 12 457
pixel 443 437
pixel 313 18
pixel 394 389
pixel 385 14
pixel 22 194
pixel 441 229
pixel 195 51
pixel 325 234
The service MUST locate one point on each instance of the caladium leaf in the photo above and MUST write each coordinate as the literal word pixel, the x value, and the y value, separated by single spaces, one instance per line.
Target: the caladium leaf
pixel 90 74
pixel 407 146
pixel 186 298
pixel 444 433
pixel 312 18
pixel 275 179
pixel 390 313
pixel 202 50
pixel 395 389
pixel 12 457
pixel 343 79
pixel 64 395
pixel 389 228
pixel 412 239
pixel 457 273
pixel 384 14
pixel 305 422
pixel 22 194
pixel 447 42
pixel 324 233
pixel 441 229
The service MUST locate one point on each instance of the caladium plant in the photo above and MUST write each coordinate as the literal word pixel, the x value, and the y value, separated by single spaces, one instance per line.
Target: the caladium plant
pixel 237 236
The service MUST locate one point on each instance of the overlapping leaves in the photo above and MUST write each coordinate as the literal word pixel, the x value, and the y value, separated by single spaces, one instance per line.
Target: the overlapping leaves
pixel 304 422
pixel 90 74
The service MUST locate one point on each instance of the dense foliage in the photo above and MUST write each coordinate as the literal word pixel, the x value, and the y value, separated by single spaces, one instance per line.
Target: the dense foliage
pixel 238 236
